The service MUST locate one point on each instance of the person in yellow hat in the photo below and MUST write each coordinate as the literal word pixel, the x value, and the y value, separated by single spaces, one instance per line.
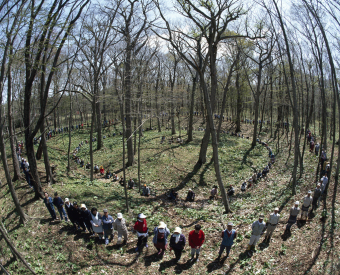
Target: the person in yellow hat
pixel 146 191
pixel 160 238
pixel 177 243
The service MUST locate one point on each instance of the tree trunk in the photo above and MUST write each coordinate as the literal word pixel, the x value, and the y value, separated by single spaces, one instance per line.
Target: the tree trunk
pixel 99 125
pixel 49 175
pixel 215 146
pixel 295 110
pixel 256 106
pixel 69 137
pixel 14 250
pixel 124 171
pixel 10 124
pixel 238 103
pixel 192 104
pixel 128 99
pixel 8 178
pixel 91 136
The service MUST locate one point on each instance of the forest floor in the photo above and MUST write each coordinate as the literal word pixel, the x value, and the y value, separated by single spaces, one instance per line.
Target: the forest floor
pixel 53 248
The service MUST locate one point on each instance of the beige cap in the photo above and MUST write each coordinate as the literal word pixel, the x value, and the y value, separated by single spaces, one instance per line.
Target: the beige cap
pixel 276 209
pixel 82 206
pixel 161 225
pixel 178 230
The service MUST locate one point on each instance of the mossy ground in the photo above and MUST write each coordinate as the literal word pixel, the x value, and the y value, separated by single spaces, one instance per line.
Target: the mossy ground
pixel 52 248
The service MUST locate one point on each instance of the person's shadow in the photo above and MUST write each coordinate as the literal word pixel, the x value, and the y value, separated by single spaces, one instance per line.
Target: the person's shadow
pixel 263 245
pixel 166 264
pixel 152 259
pixel 286 235
pixel 185 266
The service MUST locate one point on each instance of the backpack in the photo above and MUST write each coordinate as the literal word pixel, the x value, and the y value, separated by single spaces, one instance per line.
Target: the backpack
pixel 161 235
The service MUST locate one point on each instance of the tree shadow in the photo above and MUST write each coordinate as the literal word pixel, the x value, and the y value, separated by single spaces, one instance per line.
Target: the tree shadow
pixel 8 263
pixel 319 248
pixel 245 156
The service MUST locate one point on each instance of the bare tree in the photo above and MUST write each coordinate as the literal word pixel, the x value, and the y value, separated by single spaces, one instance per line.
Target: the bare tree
pixel 35 49
pixel 210 21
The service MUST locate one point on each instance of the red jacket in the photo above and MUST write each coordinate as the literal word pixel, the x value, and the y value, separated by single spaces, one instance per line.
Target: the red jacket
pixel 196 239
pixel 141 227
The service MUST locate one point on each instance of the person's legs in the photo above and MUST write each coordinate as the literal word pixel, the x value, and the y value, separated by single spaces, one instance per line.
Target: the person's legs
pixel 193 253
pixel 119 240
pixel 106 236
pixel 81 225
pixel 145 242
pixel 178 254
pixel 52 212
pixel 270 230
pixel 222 247
pixel 289 225
pixel 64 212
pixel 60 213
pixel 198 250
pixel 228 250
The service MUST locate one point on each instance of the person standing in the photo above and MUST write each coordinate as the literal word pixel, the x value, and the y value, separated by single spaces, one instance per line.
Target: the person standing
pixel 96 222
pixel 120 226
pixel 307 202
pixel 49 205
pixel 196 240
pixel 317 147
pixel 58 202
pixel 107 226
pixel 324 180
pixel 160 238
pixel 257 229
pixel 86 215
pixel 142 231
pixel 70 210
pixel 177 243
pixel 78 216
pixel 228 237
pixel 294 212
pixel 316 197
pixel 272 223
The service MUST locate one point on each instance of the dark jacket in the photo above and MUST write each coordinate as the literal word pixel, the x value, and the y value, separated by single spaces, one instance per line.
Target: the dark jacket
pixel 181 243
pixel 71 211
pixel 58 202
pixel 86 215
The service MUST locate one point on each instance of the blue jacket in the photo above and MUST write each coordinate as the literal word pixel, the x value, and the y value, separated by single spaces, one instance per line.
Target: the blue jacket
pixel 58 202
pixel 228 240
pixel 166 235
pixel 107 222
pixel 49 202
